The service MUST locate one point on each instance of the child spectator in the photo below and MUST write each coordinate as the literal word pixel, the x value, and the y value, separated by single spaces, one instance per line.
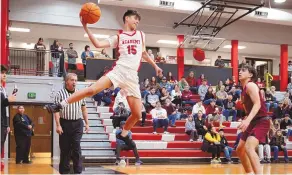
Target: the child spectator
pixel 278 144
pixel 226 148
pixel 159 116
pixel 191 129
pixel 209 96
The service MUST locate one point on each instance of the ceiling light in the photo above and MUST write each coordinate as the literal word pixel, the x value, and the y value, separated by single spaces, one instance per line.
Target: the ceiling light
pixel 279 1
pixel 229 47
pixel 167 42
pixel 97 36
pixel 16 29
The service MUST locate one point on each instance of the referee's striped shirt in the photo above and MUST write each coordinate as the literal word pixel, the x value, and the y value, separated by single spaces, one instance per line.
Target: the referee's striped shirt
pixel 72 111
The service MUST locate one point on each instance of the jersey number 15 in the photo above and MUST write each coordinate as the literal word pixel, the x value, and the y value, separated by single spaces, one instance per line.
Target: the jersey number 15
pixel 132 49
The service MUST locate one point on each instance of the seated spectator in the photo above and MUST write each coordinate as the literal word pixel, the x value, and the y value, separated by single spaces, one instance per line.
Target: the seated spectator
pixel 201 79
pixel 121 99
pixel 121 145
pixel 191 129
pixel 165 84
pixel 203 88
pixel 170 78
pixel 218 87
pixel 192 82
pixel 200 125
pixel 151 99
pixel 235 94
pixel 211 144
pixel 273 91
pixel 171 112
pixel 265 148
pixel 286 125
pixel 270 100
pixel 275 127
pixel 153 84
pixel 160 58
pixel 278 144
pixel 221 96
pixel 144 86
pixel 225 147
pixel 209 96
pixel 228 85
pixel 143 115
pixel 237 139
pixel 164 95
pixel 184 115
pixel 198 107
pixel 219 62
pixel 229 109
pixel 103 96
pixel 176 95
pixel 159 77
pixel 120 114
pixel 186 96
pixel 182 83
pixel 214 113
pixel 159 116
pixel 260 83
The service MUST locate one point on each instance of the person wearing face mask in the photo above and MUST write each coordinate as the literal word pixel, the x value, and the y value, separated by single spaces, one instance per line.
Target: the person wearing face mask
pixel 86 54
pixel 40 52
pixel 72 56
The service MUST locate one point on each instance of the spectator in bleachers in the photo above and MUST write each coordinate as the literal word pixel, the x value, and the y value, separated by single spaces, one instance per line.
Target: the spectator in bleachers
pixel 275 127
pixel 160 58
pixel 234 81
pixel 239 134
pixel 218 86
pixel 130 145
pixel 211 144
pixel 209 96
pixel 221 96
pixel 200 125
pixel 229 109
pixel 203 88
pixel 176 95
pixel 153 83
pixel 214 113
pixel 264 151
pixel 186 96
pixel 72 56
pixel 121 99
pixel 170 78
pixel 260 83
pixel 287 100
pixel 182 83
pixel 235 94
pixel 201 79
pixel 150 54
pixel 225 146
pixel 164 95
pixel 219 62
pixel 228 85
pixel 172 112
pixel 190 129
pixel 198 107
pixel 159 116
pixel 159 77
pixel 145 87
pixel 121 113
pixel 279 111
pixel 278 144
pixel 144 114
pixel 289 86
pixel 40 53
pixel 184 114
pixel 165 84
pixel 286 125
pixel 192 82
pixel 151 99
pixel 270 100
pixel 273 91
pixel 103 96
pixel 86 54
pixel 289 68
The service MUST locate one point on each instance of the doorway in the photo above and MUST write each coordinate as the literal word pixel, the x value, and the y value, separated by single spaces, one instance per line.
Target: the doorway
pixel 41 142
pixel 261 65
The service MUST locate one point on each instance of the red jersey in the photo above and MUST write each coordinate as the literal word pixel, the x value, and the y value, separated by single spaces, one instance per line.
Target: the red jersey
pixel 248 104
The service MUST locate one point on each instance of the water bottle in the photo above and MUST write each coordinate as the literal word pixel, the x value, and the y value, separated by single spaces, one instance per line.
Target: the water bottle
pixel 123 162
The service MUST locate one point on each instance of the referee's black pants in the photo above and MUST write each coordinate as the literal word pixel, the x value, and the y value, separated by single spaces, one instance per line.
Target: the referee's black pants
pixel 69 143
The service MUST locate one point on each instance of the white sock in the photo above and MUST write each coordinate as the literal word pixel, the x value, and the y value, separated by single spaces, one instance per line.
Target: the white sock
pixel 64 103
pixel 251 173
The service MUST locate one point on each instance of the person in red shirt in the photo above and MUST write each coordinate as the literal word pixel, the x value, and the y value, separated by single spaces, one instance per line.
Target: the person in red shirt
pixel 186 96
pixel 201 79
pixel 260 83
pixel 192 82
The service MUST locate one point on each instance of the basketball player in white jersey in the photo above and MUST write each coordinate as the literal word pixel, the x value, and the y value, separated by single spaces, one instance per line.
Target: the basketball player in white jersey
pixel 124 73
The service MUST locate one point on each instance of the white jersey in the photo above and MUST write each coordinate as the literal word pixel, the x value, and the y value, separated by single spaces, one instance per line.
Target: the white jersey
pixel 130 47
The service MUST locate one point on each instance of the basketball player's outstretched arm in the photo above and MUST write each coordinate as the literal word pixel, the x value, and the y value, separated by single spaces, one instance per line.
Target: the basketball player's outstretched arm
pixel 253 92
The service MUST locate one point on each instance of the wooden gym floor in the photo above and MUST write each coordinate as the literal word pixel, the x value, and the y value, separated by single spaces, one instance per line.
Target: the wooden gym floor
pixel 47 166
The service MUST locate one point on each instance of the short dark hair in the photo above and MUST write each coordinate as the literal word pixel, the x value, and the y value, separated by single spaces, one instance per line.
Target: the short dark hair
pixel 70 44
pixel 87 46
pixel 3 68
pixel 131 13
pixel 251 70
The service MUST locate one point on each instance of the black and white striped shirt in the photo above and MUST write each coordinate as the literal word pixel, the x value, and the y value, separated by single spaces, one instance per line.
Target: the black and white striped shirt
pixel 73 111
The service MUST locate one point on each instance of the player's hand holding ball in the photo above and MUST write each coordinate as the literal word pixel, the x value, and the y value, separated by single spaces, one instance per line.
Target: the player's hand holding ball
pixel 89 14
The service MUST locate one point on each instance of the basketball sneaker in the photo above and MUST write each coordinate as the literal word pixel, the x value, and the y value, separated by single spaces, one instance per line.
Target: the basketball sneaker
pixel 139 162
pixel 53 108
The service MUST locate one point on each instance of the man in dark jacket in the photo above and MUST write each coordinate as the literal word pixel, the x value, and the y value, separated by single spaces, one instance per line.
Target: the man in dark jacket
pixel 23 130
pixel 4 103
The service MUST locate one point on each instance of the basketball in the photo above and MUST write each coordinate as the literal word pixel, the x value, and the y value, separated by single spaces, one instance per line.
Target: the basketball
pixel 90 13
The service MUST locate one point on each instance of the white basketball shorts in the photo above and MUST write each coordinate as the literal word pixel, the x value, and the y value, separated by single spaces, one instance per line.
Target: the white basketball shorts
pixel 126 79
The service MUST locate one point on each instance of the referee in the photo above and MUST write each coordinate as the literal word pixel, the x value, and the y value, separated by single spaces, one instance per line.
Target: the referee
pixel 70 127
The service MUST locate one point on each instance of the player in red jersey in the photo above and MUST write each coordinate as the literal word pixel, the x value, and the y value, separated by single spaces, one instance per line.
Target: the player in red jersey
pixel 124 74
pixel 255 125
